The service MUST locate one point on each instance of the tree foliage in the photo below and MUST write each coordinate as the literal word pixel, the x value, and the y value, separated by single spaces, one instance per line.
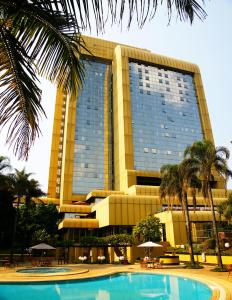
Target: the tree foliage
pixel 176 181
pixel 37 224
pixel 7 215
pixel 209 160
pixel 22 222
pixel 7 212
pixel 115 240
pixel 92 241
pixel 118 240
pixel 225 209
pixel 148 229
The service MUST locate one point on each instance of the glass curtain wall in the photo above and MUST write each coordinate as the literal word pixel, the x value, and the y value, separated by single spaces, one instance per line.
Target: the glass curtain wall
pixel 88 172
pixel 165 115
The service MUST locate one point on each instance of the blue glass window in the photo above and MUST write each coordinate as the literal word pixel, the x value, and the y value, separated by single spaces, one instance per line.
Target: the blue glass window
pixel 163 121
pixel 88 166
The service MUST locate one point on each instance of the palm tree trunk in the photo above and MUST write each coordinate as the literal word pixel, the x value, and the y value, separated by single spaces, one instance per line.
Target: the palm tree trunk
pixel 14 232
pixel 188 229
pixel 218 250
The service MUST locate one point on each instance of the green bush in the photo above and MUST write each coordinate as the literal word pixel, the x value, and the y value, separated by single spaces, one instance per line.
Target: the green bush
pixel 210 252
pixel 209 244
pixel 93 241
pixel 180 251
pixel 118 240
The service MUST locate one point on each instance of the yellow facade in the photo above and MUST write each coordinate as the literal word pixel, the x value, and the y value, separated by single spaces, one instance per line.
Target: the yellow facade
pixel 126 202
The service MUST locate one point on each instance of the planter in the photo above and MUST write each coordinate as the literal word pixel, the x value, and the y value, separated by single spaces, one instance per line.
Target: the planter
pixel 209 259
pixel 169 260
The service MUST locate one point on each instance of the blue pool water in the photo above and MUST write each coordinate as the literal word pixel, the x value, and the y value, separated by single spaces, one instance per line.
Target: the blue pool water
pixel 123 286
pixel 44 270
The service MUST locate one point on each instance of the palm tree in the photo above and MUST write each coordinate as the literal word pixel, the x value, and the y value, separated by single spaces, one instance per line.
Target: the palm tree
pixel 176 180
pixel 44 38
pixel 36 38
pixel 225 209
pixel 33 190
pixel 25 188
pixel 6 203
pixel 208 158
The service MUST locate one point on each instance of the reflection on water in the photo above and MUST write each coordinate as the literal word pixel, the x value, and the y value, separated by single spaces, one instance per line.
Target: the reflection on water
pixel 103 295
pixel 124 286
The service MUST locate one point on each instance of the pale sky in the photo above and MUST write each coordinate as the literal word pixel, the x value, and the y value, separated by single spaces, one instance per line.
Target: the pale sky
pixel 207 44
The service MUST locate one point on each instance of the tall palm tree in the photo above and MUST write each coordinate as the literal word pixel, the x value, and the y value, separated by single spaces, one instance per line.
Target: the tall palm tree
pixel 208 158
pixel 44 38
pixel 25 188
pixel 176 181
pixel 33 190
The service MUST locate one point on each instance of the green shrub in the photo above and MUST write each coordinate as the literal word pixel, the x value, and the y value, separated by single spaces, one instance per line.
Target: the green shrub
pixel 209 244
pixel 188 265
pixel 92 241
pixel 210 252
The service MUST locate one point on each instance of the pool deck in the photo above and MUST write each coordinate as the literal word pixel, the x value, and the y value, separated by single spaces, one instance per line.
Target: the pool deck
pixel 219 282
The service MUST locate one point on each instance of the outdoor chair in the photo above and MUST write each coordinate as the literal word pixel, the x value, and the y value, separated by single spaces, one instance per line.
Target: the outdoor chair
pixel 229 269
pixel 5 262
pixel 34 263
pixel 143 264
pixel 14 264
pixel 158 265
pixel 47 263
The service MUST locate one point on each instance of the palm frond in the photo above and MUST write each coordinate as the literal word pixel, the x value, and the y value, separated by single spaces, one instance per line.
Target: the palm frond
pixel 117 11
pixel 141 10
pixel 171 184
pixel 54 44
pixel 20 98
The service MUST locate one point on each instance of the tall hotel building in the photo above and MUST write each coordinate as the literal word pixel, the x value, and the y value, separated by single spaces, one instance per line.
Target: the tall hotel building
pixel 136 112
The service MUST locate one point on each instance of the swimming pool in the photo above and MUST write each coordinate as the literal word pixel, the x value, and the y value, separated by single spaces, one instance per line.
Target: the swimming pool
pixel 44 270
pixel 123 286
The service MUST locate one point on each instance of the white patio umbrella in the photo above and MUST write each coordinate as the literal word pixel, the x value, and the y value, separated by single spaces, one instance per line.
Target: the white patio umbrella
pixel 42 246
pixel 149 245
